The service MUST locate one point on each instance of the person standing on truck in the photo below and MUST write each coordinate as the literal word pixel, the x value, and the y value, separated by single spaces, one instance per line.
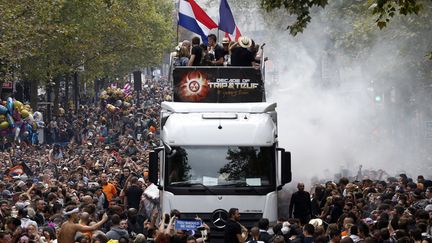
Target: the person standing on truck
pixel 216 50
pixel 240 53
pixel 301 203
pixel 234 231
pixel 196 53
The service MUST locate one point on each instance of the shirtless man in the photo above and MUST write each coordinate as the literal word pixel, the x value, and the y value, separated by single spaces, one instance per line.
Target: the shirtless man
pixel 71 227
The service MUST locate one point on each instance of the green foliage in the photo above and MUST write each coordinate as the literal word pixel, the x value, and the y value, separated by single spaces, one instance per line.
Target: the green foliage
pixel 383 9
pixel 300 8
pixel 387 9
pixel 40 40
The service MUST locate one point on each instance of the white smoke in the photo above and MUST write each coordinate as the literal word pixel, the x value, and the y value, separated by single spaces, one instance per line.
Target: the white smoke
pixel 328 116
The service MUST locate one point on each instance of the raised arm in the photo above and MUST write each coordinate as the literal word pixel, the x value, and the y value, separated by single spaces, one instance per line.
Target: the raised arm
pixel 96 226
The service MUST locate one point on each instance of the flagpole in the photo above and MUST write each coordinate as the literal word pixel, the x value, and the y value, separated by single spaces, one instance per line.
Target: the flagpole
pixel 178 11
pixel 218 25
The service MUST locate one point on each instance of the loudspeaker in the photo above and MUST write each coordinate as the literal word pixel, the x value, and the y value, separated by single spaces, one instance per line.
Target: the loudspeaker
pixel 137 80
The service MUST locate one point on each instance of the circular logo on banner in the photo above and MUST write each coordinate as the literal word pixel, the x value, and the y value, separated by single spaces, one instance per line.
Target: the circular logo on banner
pixel 194 86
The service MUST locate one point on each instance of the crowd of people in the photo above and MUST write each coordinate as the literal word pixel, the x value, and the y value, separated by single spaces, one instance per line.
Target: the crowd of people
pixel 243 52
pixel 91 167
pixel 396 209
pixel 88 182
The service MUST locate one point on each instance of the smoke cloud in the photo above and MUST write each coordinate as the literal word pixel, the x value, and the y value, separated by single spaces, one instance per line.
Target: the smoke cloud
pixel 338 111
pixel 339 108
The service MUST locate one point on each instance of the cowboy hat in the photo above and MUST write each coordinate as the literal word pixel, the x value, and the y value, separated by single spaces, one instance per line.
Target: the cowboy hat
pixel 245 42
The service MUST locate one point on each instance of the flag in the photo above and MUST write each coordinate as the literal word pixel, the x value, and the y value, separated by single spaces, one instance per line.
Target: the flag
pixel 195 19
pixel 19 169
pixel 227 22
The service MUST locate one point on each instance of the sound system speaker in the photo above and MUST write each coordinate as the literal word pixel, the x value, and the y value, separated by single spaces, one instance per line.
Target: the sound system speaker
pixel 137 80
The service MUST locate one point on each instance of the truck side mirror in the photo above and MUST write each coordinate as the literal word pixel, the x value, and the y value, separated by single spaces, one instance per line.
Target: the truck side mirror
pixel 286 174
pixel 153 167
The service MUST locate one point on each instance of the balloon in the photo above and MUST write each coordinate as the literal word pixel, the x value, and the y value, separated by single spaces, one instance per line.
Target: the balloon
pixel 3 109
pixel 2 118
pixel 26 134
pixel 38 116
pixel 126 104
pixel 111 108
pixel 10 120
pixel 18 105
pixel 29 127
pixel 40 124
pixel 9 105
pixel 17 132
pixel 24 113
pixel 4 125
pixel 118 103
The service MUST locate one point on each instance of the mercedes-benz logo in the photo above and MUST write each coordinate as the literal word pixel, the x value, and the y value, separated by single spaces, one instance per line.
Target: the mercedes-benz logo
pixel 219 218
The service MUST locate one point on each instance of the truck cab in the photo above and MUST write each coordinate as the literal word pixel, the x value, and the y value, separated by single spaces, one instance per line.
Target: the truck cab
pixel 219 148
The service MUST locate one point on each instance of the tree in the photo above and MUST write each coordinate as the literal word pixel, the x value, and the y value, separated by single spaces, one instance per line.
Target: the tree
pixel 24 29
pixel 384 9
pixel 43 41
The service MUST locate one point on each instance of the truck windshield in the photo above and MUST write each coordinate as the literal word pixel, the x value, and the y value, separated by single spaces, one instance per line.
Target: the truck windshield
pixel 220 166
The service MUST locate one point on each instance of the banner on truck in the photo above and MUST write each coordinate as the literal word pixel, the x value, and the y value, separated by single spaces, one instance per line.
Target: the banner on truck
pixel 218 84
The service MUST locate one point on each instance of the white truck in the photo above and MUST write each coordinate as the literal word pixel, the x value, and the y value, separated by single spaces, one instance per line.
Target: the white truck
pixel 217 156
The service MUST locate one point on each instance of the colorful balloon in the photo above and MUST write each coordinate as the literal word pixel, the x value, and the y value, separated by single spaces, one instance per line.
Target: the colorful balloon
pixel 111 108
pixel 18 105
pixel 126 104
pixel 17 133
pixel 4 125
pixel 40 124
pixel 10 105
pixel 38 116
pixel 24 113
pixel 3 109
pixel 10 120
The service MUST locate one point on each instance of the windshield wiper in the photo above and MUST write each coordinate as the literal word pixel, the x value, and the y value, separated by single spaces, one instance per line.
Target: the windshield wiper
pixel 190 184
pixel 241 186
pixel 236 184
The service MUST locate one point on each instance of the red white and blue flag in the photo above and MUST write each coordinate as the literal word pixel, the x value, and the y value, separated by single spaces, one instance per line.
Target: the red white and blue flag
pixel 227 22
pixel 195 19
